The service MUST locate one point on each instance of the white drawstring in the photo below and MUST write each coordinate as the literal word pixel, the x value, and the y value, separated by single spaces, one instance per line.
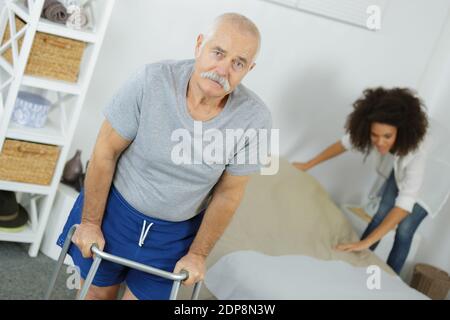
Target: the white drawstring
pixel 144 233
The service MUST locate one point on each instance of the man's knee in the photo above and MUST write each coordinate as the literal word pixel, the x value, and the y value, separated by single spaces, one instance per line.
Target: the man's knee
pixel 102 293
pixel 128 295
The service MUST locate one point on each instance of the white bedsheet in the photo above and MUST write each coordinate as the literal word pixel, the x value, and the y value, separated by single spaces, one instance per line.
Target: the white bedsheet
pixel 253 275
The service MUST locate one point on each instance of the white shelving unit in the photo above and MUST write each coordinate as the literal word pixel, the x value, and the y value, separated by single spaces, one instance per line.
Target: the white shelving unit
pixel 67 100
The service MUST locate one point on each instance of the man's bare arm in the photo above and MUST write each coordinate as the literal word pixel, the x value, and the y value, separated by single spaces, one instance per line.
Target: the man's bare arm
pixel 226 198
pixel 108 147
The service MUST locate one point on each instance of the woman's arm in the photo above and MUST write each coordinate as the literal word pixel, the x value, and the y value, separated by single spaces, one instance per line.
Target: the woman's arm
pixel 394 217
pixel 332 151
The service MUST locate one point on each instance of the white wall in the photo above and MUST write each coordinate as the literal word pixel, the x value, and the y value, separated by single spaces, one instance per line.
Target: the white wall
pixel 435 85
pixel 309 72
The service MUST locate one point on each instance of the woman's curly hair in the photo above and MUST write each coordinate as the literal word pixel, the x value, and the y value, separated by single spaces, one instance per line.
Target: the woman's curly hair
pixel 398 107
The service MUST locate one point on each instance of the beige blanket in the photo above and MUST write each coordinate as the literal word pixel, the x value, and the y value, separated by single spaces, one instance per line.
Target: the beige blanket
pixel 289 213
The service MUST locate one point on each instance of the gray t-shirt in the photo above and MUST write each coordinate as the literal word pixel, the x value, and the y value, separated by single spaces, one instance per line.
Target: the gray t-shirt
pixel 147 110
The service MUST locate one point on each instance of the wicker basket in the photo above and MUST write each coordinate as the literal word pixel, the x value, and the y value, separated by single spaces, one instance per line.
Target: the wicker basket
pixel 50 56
pixel 431 281
pixel 28 162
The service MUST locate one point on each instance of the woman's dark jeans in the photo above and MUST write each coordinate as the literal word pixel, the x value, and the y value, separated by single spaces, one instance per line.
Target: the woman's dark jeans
pixel 405 230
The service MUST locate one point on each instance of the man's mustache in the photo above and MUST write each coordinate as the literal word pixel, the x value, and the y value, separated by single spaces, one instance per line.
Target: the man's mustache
pixel 217 78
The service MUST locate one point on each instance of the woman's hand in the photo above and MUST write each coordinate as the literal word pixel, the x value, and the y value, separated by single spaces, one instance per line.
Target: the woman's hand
pixel 356 246
pixel 301 166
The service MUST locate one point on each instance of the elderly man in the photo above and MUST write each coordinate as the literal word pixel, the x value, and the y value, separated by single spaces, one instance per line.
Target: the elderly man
pixel 142 204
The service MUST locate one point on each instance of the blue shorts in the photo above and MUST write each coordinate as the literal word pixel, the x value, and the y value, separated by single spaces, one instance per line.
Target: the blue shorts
pixel 124 232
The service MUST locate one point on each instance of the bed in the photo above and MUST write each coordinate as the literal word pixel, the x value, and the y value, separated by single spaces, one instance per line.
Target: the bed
pixel 279 245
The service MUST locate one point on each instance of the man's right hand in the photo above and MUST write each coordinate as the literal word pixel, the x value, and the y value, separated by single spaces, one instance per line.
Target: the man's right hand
pixel 86 235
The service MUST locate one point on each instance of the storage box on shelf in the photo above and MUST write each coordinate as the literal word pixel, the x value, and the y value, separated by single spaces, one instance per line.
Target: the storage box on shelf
pixel 58 38
pixel 50 56
pixel 28 162
pixel 54 131
pixel 31 110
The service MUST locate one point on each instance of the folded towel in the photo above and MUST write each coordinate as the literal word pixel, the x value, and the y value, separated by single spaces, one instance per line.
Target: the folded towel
pixel 54 11
pixel 78 18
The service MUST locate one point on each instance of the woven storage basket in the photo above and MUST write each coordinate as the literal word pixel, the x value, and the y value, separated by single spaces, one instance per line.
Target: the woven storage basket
pixel 431 281
pixel 50 56
pixel 28 162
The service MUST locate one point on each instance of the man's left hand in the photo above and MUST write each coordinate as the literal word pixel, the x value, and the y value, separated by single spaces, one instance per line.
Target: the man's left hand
pixel 194 264
pixel 356 246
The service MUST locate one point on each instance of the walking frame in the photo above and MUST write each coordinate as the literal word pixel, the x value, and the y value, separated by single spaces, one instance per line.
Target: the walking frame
pixel 99 255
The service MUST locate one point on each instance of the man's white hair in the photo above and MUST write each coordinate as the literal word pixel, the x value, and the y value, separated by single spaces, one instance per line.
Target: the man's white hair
pixel 240 21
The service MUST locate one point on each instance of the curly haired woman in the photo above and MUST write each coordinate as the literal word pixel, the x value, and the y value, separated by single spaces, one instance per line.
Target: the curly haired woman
pixel 394 124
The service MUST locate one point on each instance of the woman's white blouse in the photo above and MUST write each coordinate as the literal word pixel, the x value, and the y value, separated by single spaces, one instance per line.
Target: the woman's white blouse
pixel 408 170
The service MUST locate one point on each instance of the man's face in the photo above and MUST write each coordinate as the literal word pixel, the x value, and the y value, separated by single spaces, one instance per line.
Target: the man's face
pixel 224 60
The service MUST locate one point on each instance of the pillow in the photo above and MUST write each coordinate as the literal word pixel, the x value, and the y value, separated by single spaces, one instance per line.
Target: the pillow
pixel 249 275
